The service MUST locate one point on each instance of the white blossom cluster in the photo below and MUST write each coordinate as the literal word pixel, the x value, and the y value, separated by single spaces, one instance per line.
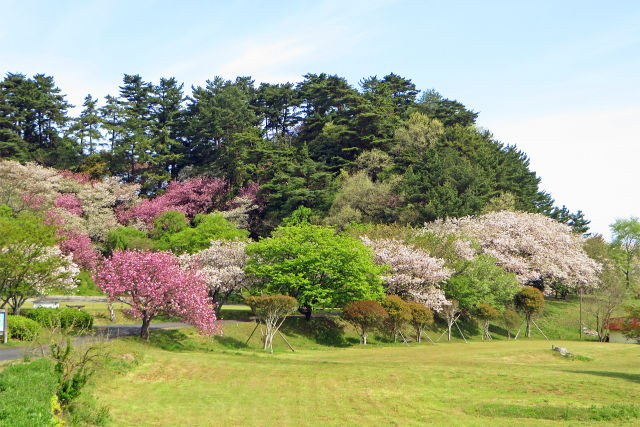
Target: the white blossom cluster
pixel 530 245
pixel 413 272
pixel 221 265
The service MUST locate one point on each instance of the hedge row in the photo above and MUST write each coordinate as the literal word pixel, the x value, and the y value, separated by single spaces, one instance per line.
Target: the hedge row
pixel 27 394
pixel 22 328
pixel 66 318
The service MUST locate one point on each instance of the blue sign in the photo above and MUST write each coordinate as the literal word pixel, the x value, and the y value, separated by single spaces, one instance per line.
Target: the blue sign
pixel 3 321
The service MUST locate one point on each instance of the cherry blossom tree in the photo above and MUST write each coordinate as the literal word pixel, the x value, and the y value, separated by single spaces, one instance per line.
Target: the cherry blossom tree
pixel 190 197
pixel 414 274
pixel 221 266
pixel 152 283
pixel 532 246
pixel 79 246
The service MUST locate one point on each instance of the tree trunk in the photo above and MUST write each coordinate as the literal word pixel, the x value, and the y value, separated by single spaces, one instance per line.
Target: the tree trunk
pixel 449 325
pixel 306 310
pixel 112 313
pixel 528 326
pixel 144 330
pixel 418 334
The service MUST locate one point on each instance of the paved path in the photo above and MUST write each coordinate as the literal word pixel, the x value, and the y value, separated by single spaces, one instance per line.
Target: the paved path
pixel 110 331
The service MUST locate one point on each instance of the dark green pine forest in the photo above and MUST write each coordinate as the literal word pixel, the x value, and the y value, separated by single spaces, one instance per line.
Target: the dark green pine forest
pixel 381 152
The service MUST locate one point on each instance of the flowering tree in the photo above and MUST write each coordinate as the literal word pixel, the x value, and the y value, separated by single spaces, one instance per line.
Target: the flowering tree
pixel 30 264
pixel 414 273
pixel 190 197
pixel 532 246
pixel 153 283
pixel 221 266
pixel 79 246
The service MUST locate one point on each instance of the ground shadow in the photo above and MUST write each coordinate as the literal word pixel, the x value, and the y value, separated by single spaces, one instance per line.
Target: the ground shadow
pixel 169 340
pixel 611 374
pixel 327 331
pixel 231 343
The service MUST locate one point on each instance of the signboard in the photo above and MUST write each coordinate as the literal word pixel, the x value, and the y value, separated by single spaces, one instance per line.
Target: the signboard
pixel 3 325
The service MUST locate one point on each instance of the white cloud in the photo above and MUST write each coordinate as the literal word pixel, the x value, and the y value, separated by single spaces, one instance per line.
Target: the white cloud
pixel 587 160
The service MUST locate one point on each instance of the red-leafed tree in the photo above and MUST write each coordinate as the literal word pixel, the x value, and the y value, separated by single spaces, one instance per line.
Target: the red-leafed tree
pixel 152 283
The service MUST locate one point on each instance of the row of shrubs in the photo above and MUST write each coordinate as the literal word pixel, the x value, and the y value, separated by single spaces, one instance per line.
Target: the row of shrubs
pixel 28 326
pixel 28 395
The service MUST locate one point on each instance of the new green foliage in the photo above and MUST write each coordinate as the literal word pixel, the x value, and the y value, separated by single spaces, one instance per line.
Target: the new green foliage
pixel 315 265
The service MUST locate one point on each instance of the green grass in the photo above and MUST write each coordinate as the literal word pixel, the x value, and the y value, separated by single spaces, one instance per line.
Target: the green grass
pixel 182 378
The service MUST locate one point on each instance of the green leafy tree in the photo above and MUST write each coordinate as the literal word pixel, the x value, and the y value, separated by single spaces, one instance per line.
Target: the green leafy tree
pixel 86 128
pixel 531 302
pixel 399 313
pixel 479 281
pixel 272 310
pixel 626 244
pixel 510 320
pixel 485 313
pixel 314 265
pixel 421 318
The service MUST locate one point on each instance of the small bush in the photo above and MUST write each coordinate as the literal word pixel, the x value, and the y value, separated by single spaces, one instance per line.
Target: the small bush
pixel 365 315
pixel 65 318
pixel 22 328
pixel 26 393
pixel 398 312
pixel 421 317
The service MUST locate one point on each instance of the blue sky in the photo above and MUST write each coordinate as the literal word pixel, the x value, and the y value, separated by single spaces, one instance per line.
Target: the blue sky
pixel 561 80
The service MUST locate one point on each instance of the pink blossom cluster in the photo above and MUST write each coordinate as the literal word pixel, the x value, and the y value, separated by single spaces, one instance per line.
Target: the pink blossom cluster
pixel 82 178
pixel 79 246
pixel 69 202
pixel 189 197
pixel 32 201
pixel 153 283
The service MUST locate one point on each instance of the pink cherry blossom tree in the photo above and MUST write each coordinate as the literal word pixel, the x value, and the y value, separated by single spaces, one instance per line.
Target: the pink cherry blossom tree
pixel 189 197
pixel 152 283
pixel 414 274
pixel 79 246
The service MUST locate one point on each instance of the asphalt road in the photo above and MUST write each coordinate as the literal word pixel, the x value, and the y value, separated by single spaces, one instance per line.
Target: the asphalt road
pixel 109 331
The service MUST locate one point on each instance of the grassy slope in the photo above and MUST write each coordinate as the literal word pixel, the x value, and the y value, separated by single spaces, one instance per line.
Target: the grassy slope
pixel 182 379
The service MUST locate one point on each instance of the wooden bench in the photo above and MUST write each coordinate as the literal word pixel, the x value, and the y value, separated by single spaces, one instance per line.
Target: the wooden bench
pixel 78 306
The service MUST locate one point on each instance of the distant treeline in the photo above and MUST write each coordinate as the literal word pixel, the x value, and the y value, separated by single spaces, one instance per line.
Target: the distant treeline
pixel 383 152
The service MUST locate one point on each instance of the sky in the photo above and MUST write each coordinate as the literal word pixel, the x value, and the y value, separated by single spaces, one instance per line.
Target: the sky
pixel 560 80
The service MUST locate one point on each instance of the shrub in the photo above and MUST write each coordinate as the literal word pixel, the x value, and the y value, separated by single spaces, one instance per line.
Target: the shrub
pixel 398 314
pixel 510 320
pixel 486 313
pixel 421 317
pixel 26 394
pixel 22 328
pixel 364 315
pixel 272 310
pixel 65 318
pixel 531 302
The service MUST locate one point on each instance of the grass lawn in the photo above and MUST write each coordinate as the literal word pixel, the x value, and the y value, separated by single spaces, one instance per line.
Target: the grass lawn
pixel 180 378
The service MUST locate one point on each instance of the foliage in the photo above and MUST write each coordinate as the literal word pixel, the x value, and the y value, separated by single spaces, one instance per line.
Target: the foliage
pixel 480 281
pixel 66 318
pixel 127 238
pixel 29 263
pixel 398 314
pixel 26 392
pixel 631 325
pixel 221 266
pixel 421 318
pixel 272 310
pixel 72 372
pixel 206 228
pixel 152 283
pixel 531 302
pixel 365 315
pixel 22 328
pixel 414 273
pixel 626 248
pixel 510 320
pixel 450 312
pixel 314 265
pixel 486 313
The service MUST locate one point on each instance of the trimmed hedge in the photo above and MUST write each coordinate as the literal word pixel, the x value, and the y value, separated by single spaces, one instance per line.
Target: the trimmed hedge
pixel 64 317
pixel 22 328
pixel 27 392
